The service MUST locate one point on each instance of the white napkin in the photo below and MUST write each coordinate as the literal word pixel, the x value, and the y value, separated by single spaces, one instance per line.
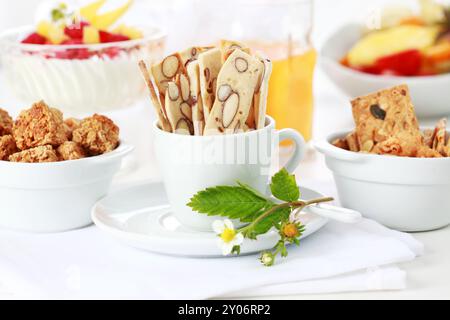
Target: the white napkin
pixel 88 264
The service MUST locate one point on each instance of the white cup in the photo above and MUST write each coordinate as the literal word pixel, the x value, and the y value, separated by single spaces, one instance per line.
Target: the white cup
pixel 190 164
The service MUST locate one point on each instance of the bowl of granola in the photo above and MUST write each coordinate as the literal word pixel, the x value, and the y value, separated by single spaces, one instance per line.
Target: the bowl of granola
pixel 54 170
pixel 80 61
pixel 389 168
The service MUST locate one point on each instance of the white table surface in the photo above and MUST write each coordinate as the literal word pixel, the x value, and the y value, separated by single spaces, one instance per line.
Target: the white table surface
pixel 428 277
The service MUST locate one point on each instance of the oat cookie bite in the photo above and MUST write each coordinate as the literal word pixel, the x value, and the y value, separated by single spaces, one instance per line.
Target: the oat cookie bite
pixel 39 126
pixel 35 155
pixel 70 124
pixel 70 150
pixel 7 147
pixel 6 123
pixel 97 135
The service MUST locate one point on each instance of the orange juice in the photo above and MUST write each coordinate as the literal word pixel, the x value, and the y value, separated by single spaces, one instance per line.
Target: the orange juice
pixel 290 101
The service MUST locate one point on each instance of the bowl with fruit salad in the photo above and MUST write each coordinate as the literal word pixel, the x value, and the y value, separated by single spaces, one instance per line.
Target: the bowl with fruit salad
pixel 411 47
pixel 81 60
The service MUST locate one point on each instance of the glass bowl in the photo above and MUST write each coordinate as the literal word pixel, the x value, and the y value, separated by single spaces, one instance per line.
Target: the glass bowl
pixel 79 79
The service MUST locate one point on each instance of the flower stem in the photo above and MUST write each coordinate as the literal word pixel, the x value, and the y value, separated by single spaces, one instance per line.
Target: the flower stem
pixel 294 205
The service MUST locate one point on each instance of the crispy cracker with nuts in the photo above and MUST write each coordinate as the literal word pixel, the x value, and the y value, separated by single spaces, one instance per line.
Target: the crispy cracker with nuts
pixel 261 92
pixel 162 117
pixel 386 122
pixel 235 89
pixel 210 64
pixel 198 118
pixel 178 111
pixel 35 155
pixel 7 146
pixel 6 123
pixel 228 46
pixel 191 54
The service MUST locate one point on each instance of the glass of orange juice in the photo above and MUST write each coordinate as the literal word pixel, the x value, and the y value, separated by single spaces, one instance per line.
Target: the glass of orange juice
pixel 281 30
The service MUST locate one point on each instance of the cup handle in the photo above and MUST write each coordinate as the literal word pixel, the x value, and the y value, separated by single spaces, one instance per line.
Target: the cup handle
pixel 299 147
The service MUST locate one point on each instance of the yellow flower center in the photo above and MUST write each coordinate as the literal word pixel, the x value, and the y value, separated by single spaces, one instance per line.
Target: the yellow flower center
pixel 290 230
pixel 228 235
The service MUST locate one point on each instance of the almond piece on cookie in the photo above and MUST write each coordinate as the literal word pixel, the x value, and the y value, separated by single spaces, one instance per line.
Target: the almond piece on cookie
pixel 384 115
pixel 162 118
pixel 198 119
pixel 178 111
pixel 210 63
pixel 235 89
pixel 191 54
pixel 261 92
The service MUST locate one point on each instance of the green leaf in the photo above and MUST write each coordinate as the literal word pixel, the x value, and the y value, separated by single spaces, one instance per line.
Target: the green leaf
pixel 238 202
pixel 284 187
pixel 272 220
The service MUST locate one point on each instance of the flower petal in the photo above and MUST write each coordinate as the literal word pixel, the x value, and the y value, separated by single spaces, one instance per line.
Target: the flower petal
pixel 238 239
pixel 218 226
pixel 228 224
pixel 227 248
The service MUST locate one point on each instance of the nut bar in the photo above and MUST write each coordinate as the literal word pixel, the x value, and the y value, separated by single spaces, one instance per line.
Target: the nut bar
pixel 162 117
pixel 179 112
pixel 35 155
pixel 384 115
pixel 6 123
pixel 196 99
pixel 97 135
pixel 7 147
pixel 210 63
pixel 261 92
pixel 39 126
pixel 235 89
pixel 70 150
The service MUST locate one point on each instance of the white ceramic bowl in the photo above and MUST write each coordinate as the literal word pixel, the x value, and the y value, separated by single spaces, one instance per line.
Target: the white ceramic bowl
pixel 97 77
pixel 407 194
pixel 430 94
pixel 55 196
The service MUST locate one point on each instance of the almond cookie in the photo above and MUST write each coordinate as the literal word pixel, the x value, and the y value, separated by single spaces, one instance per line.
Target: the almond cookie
pixel 39 126
pixel 261 92
pixel 159 108
pixel 228 46
pixel 198 119
pixel 235 90
pixel 210 63
pixel 191 54
pixel 179 112
pixel 388 114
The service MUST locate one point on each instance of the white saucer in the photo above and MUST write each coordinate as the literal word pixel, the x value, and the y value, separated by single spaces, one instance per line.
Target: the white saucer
pixel 140 217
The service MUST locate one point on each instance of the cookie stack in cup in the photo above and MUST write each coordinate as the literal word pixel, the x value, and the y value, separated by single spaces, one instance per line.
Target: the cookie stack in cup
pixel 210 90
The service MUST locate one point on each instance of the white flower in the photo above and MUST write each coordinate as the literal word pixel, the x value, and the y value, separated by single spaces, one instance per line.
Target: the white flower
pixel 228 237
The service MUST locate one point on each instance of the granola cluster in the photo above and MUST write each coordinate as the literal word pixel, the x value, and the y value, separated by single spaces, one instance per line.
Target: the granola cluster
pixel 386 124
pixel 40 134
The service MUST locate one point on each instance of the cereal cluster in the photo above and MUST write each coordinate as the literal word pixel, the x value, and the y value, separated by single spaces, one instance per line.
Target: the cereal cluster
pixel 40 134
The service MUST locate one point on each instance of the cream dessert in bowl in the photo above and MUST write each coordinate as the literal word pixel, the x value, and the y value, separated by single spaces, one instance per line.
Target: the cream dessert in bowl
pixel 82 62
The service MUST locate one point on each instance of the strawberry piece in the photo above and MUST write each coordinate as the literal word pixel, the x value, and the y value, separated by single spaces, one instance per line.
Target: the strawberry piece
pixel 72 41
pixel 106 37
pixel 405 63
pixel 75 31
pixel 35 38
